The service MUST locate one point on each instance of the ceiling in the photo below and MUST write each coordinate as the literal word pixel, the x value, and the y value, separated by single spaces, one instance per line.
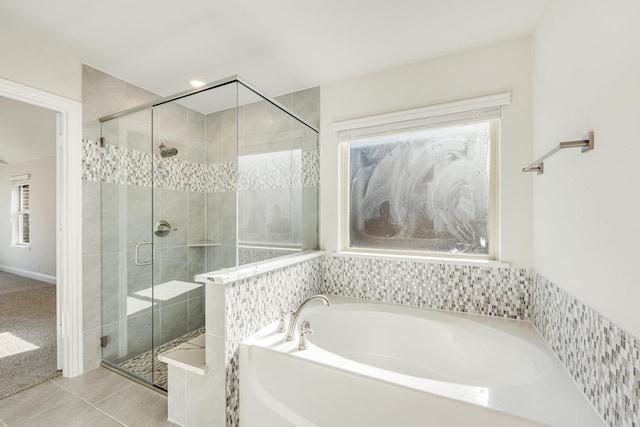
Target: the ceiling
pixel 278 45
pixel 27 132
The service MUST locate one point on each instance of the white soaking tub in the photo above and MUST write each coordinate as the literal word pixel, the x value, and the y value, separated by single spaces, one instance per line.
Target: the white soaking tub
pixel 371 364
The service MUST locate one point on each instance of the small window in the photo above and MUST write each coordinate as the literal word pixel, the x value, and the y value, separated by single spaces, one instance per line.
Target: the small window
pixel 20 220
pixel 424 186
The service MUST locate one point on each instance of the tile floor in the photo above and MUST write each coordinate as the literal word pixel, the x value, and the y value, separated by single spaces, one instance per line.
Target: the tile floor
pixel 98 398
pixel 148 366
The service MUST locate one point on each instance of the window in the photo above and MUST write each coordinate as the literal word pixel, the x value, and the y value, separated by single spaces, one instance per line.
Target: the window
pixel 20 211
pixel 422 183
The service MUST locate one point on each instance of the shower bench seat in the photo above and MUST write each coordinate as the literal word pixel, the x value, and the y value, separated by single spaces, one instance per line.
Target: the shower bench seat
pixel 189 355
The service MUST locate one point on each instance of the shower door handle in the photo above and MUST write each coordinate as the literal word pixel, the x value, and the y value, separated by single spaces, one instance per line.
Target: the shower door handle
pixel 136 259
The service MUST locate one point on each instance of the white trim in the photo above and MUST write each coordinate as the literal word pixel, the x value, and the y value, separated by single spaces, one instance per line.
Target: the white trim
pixel 30 274
pixel 20 179
pixel 424 259
pixel 20 248
pixel 68 222
pixel 233 274
pixel 453 107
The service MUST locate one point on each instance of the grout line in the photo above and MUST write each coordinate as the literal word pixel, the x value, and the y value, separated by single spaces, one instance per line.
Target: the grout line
pixel 93 405
pixel 48 409
pixel 114 393
pixel 109 415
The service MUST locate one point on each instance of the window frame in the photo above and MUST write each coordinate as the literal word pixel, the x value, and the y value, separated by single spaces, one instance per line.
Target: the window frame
pixel 17 213
pixel 394 122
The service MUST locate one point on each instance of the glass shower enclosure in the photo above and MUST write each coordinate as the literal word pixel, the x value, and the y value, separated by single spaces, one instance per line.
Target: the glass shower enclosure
pixel 203 180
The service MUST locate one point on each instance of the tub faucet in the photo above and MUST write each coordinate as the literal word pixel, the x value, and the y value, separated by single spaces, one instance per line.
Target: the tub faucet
pixel 305 329
pixel 296 314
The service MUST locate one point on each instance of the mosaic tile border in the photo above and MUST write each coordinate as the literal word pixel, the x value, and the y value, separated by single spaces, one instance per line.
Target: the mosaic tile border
pixel 91 161
pixel 603 359
pixel 492 291
pixel 310 168
pixel 269 171
pixel 119 165
pixel 253 303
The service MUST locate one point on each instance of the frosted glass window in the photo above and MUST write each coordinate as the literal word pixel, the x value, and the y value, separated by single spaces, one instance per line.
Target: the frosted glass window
pixel 426 191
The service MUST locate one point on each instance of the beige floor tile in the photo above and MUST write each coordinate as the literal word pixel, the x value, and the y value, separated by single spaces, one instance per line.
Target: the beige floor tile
pixel 137 406
pixel 94 385
pixel 28 403
pixel 73 413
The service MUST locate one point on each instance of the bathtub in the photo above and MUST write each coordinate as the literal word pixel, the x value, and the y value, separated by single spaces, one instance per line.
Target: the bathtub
pixel 372 364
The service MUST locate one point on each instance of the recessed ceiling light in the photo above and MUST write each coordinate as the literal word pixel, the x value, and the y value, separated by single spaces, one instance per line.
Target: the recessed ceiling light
pixel 196 83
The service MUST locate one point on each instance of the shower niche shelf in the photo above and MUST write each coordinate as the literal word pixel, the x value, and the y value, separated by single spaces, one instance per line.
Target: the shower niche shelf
pixel 203 244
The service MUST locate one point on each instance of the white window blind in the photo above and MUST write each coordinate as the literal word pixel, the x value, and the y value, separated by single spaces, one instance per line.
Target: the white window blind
pixel 20 180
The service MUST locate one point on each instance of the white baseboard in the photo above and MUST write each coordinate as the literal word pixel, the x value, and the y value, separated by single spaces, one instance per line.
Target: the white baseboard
pixel 30 274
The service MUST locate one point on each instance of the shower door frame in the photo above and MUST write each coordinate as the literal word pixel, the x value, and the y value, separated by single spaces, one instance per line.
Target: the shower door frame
pixel 208 86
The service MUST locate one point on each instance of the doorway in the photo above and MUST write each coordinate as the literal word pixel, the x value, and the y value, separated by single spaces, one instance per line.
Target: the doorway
pixel 28 340
pixel 68 213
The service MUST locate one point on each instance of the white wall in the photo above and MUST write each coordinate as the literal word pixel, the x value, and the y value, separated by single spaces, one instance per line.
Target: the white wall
pixel 481 71
pixel 42 256
pixel 33 65
pixel 586 207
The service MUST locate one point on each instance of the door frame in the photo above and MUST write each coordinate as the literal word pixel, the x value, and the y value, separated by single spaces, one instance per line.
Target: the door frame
pixel 68 219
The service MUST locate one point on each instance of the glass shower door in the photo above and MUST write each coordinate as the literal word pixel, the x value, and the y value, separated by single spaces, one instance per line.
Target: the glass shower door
pixel 178 220
pixel 161 226
pixel 129 309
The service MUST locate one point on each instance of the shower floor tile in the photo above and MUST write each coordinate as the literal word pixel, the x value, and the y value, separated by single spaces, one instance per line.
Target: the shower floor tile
pixel 144 363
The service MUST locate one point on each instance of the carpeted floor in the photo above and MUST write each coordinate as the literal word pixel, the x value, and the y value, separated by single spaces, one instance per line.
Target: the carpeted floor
pixel 27 333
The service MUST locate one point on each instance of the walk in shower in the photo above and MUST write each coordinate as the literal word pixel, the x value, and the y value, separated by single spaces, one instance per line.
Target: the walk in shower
pixel 207 179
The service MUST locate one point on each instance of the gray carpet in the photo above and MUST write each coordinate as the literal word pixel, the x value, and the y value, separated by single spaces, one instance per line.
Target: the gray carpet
pixel 11 283
pixel 27 333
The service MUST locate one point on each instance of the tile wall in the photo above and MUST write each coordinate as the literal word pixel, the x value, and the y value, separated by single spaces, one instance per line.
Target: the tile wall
pixel 494 291
pixel 249 305
pixel 278 172
pixel 603 359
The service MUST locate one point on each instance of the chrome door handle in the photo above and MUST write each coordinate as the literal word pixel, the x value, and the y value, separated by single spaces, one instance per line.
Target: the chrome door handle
pixel 136 259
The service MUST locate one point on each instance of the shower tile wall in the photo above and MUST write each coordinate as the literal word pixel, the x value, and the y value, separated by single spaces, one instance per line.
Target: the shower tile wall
pixel 221 152
pixel 270 178
pixel 277 180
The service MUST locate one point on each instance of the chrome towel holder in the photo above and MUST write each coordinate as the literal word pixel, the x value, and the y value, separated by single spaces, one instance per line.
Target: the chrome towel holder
pixel 538 165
